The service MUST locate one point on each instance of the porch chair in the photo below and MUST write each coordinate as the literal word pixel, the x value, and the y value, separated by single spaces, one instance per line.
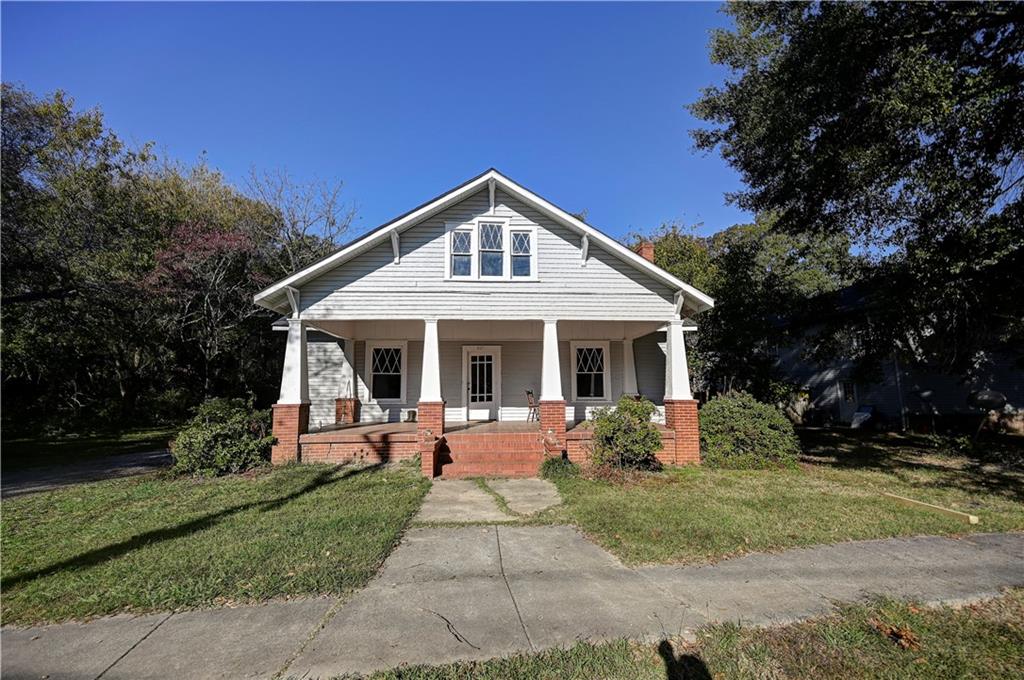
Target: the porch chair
pixel 531 402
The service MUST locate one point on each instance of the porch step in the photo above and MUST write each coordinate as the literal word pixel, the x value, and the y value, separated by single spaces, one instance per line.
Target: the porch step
pixel 499 454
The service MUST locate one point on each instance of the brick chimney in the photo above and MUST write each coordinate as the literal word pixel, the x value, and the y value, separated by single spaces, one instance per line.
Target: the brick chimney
pixel 646 250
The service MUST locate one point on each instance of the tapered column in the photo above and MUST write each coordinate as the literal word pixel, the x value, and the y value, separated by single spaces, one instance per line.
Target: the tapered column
pixel 677 375
pixel 680 407
pixel 628 368
pixel 291 412
pixel 552 403
pixel 430 427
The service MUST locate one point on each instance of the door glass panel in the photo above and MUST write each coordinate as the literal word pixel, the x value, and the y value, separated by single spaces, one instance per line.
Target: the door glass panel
pixel 481 378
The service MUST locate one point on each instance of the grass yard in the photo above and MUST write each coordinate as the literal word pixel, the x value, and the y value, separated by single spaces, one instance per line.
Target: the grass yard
pixel 980 641
pixel 161 543
pixel 694 515
pixel 26 453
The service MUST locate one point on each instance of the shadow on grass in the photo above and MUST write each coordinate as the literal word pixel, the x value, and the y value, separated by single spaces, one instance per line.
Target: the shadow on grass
pixel 100 555
pixel 903 456
pixel 685 667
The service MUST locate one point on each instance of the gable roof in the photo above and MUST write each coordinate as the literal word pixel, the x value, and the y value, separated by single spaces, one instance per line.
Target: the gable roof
pixel 274 296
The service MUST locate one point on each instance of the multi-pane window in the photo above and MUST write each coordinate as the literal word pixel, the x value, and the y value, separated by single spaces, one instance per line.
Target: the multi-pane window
pixel 590 372
pixel 521 253
pixel 386 373
pixel 462 253
pixel 492 252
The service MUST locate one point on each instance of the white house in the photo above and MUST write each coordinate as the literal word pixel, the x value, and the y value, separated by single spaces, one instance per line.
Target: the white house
pixel 424 337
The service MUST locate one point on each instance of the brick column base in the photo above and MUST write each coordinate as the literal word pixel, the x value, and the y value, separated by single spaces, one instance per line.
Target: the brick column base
pixel 681 416
pixel 429 428
pixel 290 421
pixel 346 410
pixel 552 426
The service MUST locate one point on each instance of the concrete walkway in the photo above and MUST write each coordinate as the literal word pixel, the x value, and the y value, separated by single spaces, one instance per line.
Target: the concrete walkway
pixel 462 501
pixel 478 592
pixel 49 477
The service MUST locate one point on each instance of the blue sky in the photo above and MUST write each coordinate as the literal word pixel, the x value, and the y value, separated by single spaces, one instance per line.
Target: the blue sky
pixel 583 103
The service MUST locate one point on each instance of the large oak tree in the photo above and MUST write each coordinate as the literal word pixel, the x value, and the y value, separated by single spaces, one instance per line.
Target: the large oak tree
pixel 900 125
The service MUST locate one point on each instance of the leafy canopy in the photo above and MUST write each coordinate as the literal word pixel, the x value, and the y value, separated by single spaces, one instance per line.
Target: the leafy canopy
pixel 900 125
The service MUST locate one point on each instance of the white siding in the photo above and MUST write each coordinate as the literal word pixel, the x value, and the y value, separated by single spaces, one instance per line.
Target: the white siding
pixel 373 286
pixel 324 358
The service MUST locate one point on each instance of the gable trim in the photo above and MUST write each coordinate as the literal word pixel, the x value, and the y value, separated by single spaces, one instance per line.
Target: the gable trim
pixel 697 299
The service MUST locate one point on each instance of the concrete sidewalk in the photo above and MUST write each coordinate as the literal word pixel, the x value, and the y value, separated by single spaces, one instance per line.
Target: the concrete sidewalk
pixel 478 592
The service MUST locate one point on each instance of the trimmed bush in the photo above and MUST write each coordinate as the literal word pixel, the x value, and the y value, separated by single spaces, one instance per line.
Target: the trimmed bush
pixel 625 437
pixel 738 432
pixel 557 467
pixel 225 436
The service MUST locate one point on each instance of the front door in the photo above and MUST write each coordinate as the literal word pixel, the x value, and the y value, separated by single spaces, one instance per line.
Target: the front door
pixel 481 378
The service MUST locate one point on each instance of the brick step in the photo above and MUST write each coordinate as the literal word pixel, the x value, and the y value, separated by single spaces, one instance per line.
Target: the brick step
pixel 494 455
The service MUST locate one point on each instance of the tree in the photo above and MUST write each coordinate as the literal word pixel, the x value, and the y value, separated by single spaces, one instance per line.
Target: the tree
pixel 127 282
pixel 900 125
pixel 758 277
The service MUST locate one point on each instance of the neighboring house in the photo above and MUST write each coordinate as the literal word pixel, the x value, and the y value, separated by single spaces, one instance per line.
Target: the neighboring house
pixel 900 395
pixel 424 336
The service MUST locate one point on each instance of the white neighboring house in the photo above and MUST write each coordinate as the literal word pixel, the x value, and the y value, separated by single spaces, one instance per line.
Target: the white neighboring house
pixel 453 311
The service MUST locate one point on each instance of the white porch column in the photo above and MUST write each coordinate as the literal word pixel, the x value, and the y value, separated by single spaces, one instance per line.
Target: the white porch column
pixel 430 383
pixel 677 375
pixel 551 374
pixel 628 368
pixel 295 376
pixel 347 385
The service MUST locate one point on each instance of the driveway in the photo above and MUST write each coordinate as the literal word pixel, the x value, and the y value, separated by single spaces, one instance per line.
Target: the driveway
pixel 32 480
pixel 483 591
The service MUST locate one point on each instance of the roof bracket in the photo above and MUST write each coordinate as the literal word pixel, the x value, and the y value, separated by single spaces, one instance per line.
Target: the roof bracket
pixel 584 250
pixel 293 300
pixel 395 245
pixel 679 304
pixel 490 191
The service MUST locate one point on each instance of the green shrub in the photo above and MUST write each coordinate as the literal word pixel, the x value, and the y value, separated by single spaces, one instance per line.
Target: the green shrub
pixel 557 467
pixel 225 436
pixel 624 436
pixel 739 432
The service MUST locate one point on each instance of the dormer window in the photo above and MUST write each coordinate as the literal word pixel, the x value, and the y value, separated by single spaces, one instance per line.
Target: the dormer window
pixel 492 254
pixel 462 252
pixel 522 254
pixel 490 249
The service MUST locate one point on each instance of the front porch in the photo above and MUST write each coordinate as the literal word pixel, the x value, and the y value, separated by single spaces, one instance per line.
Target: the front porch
pixel 473 397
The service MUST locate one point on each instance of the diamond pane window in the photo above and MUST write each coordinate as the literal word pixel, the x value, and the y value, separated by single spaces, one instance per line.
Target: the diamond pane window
pixel 520 253
pixel 590 372
pixel 520 243
pixel 386 373
pixel 462 241
pixel 492 259
pixel 462 244
pixel 490 237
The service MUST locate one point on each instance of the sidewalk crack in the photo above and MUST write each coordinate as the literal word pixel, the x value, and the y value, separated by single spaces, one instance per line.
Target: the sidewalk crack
pixel 320 625
pixel 137 643
pixel 501 565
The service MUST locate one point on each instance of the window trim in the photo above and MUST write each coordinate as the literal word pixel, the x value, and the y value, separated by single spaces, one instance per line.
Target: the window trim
pixel 473 227
pixel 380 344
pixel 604 345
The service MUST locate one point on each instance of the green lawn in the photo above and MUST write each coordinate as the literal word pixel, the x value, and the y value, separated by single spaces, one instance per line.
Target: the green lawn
pixel 25 453
pixel 160 543
pixel 982 641
pixel 694 515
